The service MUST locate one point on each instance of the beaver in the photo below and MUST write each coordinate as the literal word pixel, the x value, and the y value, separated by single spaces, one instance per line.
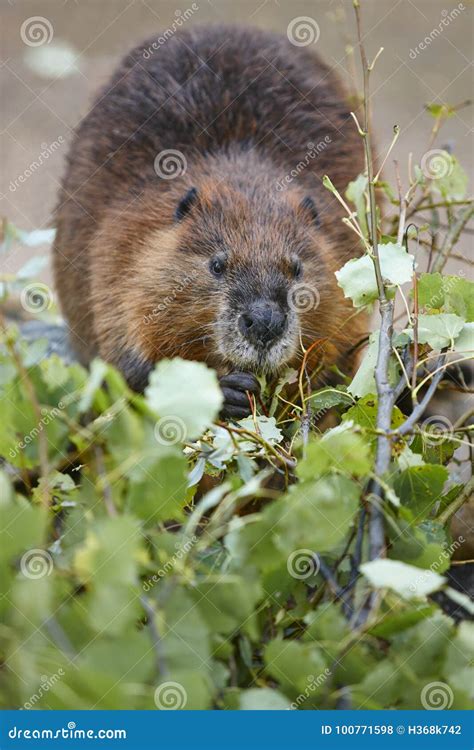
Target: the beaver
pixel 192 219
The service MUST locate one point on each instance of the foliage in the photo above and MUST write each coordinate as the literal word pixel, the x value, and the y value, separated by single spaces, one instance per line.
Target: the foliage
pixel 153 556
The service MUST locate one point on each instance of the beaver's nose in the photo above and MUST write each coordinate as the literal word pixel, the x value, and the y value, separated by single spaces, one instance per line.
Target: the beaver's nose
pixel 262 323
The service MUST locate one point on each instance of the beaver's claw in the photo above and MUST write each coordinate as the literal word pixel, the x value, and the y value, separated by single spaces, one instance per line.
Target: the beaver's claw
pixel 236 401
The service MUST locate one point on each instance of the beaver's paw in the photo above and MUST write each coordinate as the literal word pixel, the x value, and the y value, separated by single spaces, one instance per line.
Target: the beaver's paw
pixel 235 387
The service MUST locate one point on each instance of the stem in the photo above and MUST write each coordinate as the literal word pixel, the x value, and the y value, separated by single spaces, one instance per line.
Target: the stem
pixel 452 237
pixel 403 206
pixel 368 156
pixel 456 504
pixel 419 409
pixel 155 637
pixel 386 399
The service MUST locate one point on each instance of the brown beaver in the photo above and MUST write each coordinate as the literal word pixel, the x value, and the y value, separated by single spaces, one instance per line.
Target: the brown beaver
pixel 192 219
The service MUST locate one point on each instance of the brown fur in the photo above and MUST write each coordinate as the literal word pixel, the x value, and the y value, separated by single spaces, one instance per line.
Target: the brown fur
pixel 242 106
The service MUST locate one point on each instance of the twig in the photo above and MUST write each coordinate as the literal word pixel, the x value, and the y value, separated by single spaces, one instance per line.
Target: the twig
pixel 407 369
pixel 452 237
pixel 155 636
pixel 415 310
pixel 403 206
pixel 464 417
pixel 385 393
pixel 467 491
pixel 357 556
pixel 366 68
pixel 419 409
pixel 103 482
pixel 339 593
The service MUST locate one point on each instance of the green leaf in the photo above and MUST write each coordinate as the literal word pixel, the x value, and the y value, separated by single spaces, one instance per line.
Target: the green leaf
pixel 406 580
pixel 184 633
pixel 420 487
pixel 464 343
pixel 185 395
pixel 394 623
pixel 296 666
pixel 449 294
pixel 356 194
pixel 364 413
pixel 161 494
pixel 363 382
pixel 438 331
pixel 357 277
pixel 326 398
pixel 227 602
pixel 439 110
pixel 263 699
pixel 263 426
pixel 450 178
pixel 343 451
pixel 316 514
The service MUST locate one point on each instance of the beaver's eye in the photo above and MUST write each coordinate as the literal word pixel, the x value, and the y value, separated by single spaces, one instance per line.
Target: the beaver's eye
pixel 296 267
pixel 217 266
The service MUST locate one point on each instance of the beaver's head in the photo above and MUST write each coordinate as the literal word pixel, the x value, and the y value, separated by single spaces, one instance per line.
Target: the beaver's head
pixel 256 272
pixel 234 277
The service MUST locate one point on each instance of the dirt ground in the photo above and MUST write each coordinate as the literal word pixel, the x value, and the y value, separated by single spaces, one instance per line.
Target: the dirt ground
pixel 40 108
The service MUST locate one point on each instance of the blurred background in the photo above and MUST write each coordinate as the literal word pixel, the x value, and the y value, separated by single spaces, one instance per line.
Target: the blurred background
pixel 49 75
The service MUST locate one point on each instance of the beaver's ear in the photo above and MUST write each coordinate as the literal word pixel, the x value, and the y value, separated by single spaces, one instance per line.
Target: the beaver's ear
pixel 308 205
pixel 186 203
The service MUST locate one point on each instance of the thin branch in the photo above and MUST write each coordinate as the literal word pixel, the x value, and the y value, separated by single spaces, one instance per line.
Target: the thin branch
pixel 384 391
pixel 420 408
pixel 160 661
pixel 403 206
pixel 465 494
pixel 452 237
pixel 366 69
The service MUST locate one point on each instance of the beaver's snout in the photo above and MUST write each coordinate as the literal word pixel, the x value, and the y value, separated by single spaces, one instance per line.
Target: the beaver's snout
pixel 262 323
